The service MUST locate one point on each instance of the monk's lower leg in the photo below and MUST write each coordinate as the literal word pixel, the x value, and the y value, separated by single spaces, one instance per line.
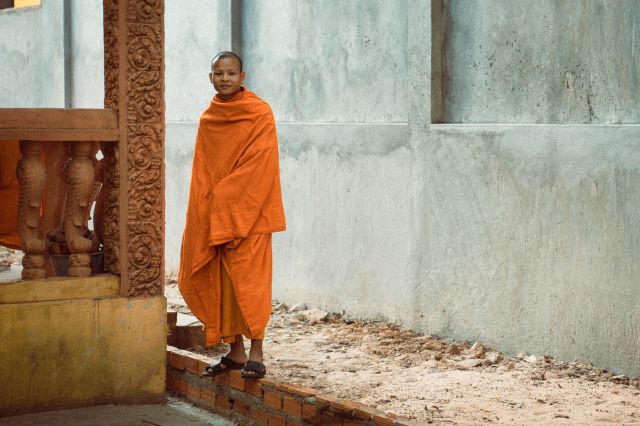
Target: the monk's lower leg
pixel 237 351
pixel 255 353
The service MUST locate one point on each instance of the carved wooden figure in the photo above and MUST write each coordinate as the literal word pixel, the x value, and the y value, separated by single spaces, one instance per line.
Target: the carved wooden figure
pixel 32 176
pixel 80 177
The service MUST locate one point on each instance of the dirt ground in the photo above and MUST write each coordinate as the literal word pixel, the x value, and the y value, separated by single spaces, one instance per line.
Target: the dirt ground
pixel 432 380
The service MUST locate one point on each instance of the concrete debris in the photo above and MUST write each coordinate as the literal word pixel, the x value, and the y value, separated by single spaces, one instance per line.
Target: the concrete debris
pixel 312 316
pixel 492 357
pixel 470 363
pixel 298 307
pixel 477 350
pixel 454 349
pixel 620 379
pixel 531 359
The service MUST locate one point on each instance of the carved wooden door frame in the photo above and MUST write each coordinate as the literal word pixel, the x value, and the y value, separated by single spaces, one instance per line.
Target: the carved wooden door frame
pixel 134 168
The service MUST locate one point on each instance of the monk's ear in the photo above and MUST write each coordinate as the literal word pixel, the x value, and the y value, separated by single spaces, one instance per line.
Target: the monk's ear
pixel 242 77
pixel 211 77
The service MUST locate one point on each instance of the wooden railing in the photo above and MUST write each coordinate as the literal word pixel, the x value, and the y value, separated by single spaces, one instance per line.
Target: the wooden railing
pixel 69 140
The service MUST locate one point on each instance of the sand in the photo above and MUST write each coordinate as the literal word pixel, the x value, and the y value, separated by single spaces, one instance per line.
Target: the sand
pixel 432 380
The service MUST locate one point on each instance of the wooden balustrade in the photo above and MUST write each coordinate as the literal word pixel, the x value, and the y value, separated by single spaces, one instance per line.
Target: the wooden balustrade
pixel 73 136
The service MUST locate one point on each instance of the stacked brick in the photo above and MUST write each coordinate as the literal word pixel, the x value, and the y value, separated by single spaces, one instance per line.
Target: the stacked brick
pixel 265 402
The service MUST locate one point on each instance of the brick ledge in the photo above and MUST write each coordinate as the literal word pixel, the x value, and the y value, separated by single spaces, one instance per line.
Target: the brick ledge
pixel 265 402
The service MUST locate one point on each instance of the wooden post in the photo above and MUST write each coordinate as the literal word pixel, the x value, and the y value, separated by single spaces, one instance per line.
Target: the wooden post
pixel 134 170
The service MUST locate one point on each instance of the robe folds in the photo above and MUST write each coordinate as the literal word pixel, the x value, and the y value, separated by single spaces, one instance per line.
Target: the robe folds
pixel 235 204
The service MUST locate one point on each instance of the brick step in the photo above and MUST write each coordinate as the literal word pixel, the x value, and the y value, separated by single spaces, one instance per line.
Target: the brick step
pixel 184 331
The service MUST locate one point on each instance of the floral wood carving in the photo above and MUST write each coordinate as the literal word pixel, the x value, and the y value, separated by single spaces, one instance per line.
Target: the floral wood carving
pixel 145 156
pixel 144 85
pixel 111 172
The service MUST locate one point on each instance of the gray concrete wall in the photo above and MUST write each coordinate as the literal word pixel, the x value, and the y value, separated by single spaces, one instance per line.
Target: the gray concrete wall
pixel 541 62
pixel 33 49
pixel 32 56
pixel 86 66
pixel 523 237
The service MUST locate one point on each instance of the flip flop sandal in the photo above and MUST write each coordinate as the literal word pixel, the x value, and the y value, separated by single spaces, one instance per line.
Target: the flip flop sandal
pixel 225 364
pixel 255 369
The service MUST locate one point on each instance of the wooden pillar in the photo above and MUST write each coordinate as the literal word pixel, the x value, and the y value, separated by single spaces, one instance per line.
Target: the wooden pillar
pixel 134 169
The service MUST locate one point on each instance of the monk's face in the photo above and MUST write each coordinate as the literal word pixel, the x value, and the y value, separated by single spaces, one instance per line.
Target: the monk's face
pixel 226 77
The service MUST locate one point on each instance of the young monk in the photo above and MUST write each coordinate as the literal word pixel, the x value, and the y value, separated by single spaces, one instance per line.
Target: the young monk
pixel 235 204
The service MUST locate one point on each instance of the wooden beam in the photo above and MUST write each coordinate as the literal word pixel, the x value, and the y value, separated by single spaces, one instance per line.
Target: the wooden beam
pixel 41 124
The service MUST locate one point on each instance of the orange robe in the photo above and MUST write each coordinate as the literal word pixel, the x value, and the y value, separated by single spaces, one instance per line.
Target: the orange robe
pixel 235 204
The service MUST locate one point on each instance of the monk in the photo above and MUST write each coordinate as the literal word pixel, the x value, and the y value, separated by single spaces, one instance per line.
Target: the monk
pixel 235 204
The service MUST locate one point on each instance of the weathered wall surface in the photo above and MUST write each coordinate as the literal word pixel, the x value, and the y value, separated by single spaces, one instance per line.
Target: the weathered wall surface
pixel 541 62
pixel 521 236
pixel 44 68
pixel 86 62
pixel 32 56
pixel 530 239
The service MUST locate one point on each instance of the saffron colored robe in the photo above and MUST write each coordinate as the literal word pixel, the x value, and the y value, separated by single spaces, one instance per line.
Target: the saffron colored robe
pixel 235 203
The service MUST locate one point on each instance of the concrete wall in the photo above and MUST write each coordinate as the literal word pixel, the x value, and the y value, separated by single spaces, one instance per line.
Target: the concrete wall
pixel 541 62
pixel 51 57
pixel 32 56
pixel 523 237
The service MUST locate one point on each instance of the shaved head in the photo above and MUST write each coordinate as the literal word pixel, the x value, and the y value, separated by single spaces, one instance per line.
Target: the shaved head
pixel 226 54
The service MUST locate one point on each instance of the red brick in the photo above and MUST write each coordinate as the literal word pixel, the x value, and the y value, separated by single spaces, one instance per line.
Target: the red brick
pixel 207 396
pixel 295 389
pixel 179 386
pixel 328 418
pixel 268 382
pixel 310 412
pixel 235 380
pixel 176 360
pixel 191 365
pixel 253 387
pixel 277 420
pixel 192 392
pixel 203 362
pixel 383 421
pixel 291 406
pixel 259 416
pixel 352 422
pixel 295 422
pixel 223 401
pixel 366 412
pixel 242 408
pixel 273 400
pixel 341 405
pixel 222 379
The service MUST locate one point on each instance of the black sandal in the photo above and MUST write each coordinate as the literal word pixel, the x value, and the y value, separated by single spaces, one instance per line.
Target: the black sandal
pixel 255 369
pixel 225 364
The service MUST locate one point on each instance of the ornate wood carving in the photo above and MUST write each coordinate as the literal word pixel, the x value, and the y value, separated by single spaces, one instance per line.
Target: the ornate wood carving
pixel 143 28
pixel 32 177
pixel 80 174
pixel 108 218
pixel 145 122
